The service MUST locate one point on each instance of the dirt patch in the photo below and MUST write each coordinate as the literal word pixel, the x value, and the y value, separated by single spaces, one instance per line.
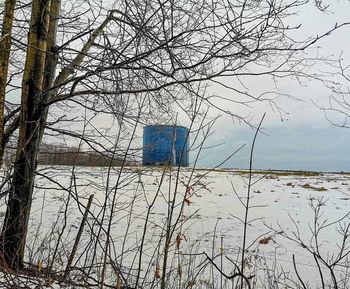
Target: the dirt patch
pixel 308 186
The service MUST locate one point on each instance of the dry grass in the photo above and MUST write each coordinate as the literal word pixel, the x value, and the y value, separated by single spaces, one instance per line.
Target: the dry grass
pixel 308 186
pixel 282 173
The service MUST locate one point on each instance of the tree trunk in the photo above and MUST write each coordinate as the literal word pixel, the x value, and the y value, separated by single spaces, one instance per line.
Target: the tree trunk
pixel 5 47
pixel 52 88
pixel 51 62
pixel 13 236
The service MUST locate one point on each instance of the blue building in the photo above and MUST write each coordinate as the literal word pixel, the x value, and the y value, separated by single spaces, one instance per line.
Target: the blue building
pixel 165 145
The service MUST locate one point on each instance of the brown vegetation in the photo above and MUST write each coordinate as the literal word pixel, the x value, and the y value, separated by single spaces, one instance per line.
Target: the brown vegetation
pixel 72 156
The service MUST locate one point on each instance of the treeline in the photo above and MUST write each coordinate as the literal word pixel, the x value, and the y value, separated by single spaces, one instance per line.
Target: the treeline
pixel 68 156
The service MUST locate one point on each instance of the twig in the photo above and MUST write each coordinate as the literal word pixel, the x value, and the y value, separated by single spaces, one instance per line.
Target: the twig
pixel 80 232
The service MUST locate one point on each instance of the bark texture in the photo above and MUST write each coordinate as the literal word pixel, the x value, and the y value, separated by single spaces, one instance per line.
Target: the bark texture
pixel 13 236
pixel 5 47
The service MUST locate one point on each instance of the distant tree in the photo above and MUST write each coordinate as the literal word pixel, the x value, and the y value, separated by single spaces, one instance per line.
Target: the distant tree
pixel 59 154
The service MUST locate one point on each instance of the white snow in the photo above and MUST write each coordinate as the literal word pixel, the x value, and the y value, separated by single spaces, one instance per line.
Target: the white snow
pixel 210 216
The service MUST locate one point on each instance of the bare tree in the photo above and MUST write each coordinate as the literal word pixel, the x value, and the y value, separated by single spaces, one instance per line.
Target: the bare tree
pixel 134 60
pixel 337 110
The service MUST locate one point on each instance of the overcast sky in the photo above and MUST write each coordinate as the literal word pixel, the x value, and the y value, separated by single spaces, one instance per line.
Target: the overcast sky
pixel 304 140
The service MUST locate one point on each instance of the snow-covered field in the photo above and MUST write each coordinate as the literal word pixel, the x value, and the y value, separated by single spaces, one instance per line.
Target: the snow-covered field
pixel 206 218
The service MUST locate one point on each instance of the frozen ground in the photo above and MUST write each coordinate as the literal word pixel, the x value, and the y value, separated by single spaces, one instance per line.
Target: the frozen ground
pixel 208 207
